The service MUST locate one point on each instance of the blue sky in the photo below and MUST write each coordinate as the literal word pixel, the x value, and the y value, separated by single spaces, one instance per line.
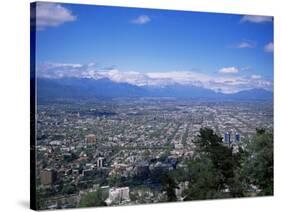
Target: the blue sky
pixel 146 40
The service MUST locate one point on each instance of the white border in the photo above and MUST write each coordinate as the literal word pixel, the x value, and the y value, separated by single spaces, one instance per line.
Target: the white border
pixel 14 96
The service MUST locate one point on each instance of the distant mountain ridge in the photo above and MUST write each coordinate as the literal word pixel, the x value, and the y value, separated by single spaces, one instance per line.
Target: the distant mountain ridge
pixel 104 88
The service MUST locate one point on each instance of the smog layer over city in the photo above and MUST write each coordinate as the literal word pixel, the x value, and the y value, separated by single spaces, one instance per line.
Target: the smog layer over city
pixel 138 106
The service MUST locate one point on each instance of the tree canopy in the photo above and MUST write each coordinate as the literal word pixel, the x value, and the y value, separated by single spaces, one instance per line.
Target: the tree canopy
pixel 258 162
pixel 217 171
pixel 91 199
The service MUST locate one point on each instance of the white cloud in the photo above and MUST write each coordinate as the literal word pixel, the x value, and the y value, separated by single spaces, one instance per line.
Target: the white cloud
pixel 225 83
pixel 245 44
pixel 143 19
pixel 52 15
pixel 256 19
pixel 256 76
pixel 64 65
pixel 269 47
pixel 59 70
pixel 229 70
pixel 222 83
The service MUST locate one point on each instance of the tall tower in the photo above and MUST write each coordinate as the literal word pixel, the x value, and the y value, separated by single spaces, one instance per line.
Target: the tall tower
pixel 237 137
pixel 100 162
pixel 90 139
pixel 227 137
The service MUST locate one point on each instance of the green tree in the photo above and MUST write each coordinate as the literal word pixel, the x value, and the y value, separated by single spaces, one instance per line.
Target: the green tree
pixel 68 189
pixel 214 172
pixel 169 185
pixel 258 162
pixel 91 199
pixel 204 180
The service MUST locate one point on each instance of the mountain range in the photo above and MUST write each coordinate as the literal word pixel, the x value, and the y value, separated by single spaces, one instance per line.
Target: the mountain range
pixel 105 88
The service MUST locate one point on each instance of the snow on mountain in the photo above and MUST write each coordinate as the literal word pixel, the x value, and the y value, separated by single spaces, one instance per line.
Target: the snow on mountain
pixel 217 83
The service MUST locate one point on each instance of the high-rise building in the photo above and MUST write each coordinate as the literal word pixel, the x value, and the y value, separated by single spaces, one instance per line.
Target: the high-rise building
pixel 229 138
pixel 118 195
pixel 90 139
pixel 226 137
pixel 47 176
pixel 100 162
pixel 237 137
